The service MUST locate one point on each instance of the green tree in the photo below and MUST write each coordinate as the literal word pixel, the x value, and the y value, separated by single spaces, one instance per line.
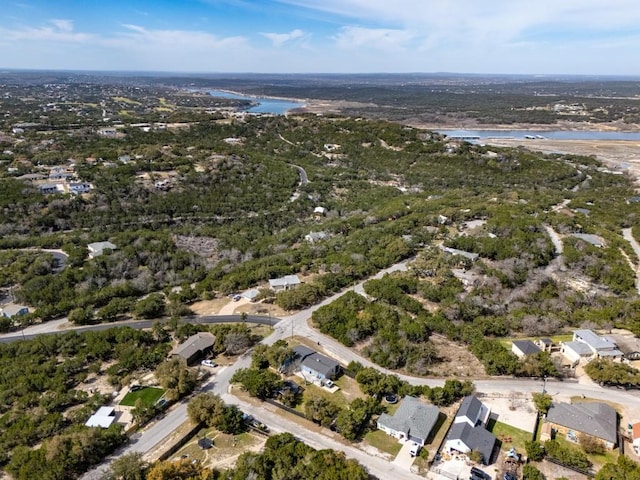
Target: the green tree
pixel 543 402
pixel 535 450
pixel 529 472
pixel 152 306
pixel 259 383
pixel 129 467
pixel 623 469
pixel 321 410
pixel 176 378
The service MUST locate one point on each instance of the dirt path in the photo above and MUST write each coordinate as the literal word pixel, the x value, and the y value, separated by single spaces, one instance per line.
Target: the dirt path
pixel 628 236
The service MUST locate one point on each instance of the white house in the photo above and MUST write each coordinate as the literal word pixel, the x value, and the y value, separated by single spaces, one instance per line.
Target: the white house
pixel 413 420
pixel 77 188
pixel 468 432
pixel 284 283
pixel 12 310
pixel 97 248
pixel 575 351
pixel 600 346
pixel 524 348
pixel 103 418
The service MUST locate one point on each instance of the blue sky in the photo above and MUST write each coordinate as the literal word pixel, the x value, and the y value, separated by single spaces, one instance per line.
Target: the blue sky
pixel 599 37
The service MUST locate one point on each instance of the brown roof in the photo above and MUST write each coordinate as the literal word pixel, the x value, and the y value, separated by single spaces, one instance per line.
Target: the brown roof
pixel 194 344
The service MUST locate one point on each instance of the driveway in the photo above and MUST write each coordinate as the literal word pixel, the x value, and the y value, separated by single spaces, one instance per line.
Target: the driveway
pixel 404 458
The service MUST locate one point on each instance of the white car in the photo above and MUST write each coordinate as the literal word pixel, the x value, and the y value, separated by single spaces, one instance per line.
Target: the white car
pixel 209 363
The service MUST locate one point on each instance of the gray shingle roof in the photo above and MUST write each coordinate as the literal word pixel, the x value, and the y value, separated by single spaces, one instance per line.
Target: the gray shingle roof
pixel 595 419
pixel 412 417
pixel 580 348
pixel 527 347
pixel 470 408
pixel 316 361
pixel 476 438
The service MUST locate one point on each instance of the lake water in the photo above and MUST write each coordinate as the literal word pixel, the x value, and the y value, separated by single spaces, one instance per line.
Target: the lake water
pixel 552 134
pixel 266 105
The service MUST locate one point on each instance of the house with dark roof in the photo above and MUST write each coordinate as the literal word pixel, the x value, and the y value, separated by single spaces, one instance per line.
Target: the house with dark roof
pixel 413 420
pixel 594 419
pixel 524 348
pixel 468 431
pixel 315 366
pixel 194 347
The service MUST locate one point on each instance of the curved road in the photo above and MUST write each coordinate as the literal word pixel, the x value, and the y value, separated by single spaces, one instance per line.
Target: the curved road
pixel 296 324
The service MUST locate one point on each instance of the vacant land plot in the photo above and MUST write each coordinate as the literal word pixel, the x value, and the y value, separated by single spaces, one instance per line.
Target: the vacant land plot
pixel 225 448
pixel 456 359
pixel 148 395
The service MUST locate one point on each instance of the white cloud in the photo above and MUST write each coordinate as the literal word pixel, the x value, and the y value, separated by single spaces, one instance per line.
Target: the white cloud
pixel 56 31
pixel 279 39
pixel 351 37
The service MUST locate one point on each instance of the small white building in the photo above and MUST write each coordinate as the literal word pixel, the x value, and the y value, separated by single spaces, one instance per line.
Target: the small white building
pixel 103 418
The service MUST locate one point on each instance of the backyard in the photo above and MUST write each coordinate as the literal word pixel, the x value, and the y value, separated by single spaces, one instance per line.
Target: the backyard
pixel 148 395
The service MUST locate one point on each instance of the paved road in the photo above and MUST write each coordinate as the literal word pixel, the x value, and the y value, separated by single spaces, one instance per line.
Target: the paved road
pixel 63 326
pixel 303 175
pixel 297 324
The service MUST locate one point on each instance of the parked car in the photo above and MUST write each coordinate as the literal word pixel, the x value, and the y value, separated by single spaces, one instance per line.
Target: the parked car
pixel 477 474
pixel 209 363
pixel 414 449
pixel 328 383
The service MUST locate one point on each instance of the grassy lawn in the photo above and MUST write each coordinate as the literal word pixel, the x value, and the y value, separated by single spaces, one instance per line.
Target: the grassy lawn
pixel 609 456
pixel 509 436
pixel 383 442
pixel 566 337
pixel 149 396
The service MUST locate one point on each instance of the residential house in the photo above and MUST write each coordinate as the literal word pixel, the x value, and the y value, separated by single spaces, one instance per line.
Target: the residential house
pixel 194 347
pixel 524 348
pixel 50 188
pixel 629 345
pixel 545 344
pixel 594 419
pixel 576 351
pixel 600 346
pixel 413 420
pixel 107 132
pixel 12 310
pixel 315 366
pixel 284 283
pixel 103 418
pixel 97 248
pixel 76 188
pixel 468 432
pixel 313 237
